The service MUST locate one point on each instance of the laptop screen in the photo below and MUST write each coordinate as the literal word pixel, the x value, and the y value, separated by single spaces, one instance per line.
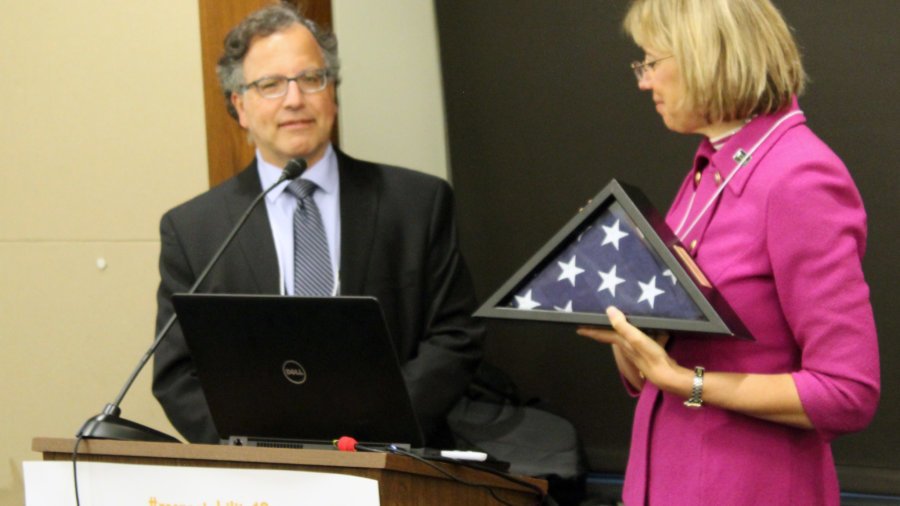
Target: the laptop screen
pixel 298 368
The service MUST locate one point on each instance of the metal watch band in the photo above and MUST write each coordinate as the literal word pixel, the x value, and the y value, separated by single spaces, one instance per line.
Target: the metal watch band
pixel 696 399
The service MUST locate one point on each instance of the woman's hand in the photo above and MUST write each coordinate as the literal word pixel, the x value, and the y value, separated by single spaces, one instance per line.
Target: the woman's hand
pixel 638 356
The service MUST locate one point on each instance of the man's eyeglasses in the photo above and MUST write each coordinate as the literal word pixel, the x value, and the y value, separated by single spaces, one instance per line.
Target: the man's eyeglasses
pixel 640 68
pixel 309 81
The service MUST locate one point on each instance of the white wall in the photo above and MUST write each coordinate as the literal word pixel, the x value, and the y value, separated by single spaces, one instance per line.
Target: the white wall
pixel 102 132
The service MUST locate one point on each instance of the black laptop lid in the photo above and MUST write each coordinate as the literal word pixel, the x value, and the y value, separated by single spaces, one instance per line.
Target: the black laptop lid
pixel 298 368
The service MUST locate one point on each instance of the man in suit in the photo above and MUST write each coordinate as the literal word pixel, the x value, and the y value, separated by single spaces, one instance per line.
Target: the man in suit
pixel 390 232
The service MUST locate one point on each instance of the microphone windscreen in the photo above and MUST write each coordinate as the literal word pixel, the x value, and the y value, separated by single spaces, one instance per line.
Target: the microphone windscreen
pixel 294 168
pixel 346 444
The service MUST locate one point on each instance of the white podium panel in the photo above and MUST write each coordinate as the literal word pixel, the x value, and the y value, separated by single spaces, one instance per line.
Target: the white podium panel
pixel 105 484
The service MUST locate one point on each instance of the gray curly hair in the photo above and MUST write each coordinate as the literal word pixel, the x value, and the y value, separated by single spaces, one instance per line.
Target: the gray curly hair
pixel 262 23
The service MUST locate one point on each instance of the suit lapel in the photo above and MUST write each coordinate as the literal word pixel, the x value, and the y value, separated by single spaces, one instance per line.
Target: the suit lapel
pixel 359 205
pixel 255 239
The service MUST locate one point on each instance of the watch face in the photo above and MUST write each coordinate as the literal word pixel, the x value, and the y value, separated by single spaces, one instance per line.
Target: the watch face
pixel 696 399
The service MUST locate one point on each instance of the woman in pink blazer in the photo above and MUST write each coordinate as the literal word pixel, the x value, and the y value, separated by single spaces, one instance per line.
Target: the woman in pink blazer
pixel 775 221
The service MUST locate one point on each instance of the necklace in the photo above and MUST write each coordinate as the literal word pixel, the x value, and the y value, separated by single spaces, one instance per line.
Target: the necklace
pixel 741 157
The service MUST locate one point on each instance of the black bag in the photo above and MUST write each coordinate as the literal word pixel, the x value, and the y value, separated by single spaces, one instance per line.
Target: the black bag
pixel 492 418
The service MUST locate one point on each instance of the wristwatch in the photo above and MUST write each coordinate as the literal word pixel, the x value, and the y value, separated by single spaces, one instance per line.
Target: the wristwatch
pixel 696 399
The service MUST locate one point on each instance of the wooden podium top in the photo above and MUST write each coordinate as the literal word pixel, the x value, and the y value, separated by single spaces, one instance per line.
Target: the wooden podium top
pixel 402 479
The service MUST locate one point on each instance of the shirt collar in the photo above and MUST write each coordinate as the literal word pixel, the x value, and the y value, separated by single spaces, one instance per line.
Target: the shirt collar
pixel 725 160
pixel 720 140
pixel 324 173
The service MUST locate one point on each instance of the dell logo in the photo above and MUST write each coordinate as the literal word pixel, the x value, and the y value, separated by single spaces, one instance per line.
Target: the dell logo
pixel 294 372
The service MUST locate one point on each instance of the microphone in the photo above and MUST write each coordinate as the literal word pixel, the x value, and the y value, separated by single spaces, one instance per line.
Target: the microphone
pixel 345 444
pixel 108 424
pixel 293 169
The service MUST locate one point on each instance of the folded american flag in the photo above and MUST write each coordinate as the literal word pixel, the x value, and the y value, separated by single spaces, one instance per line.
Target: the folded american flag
pixel 608 263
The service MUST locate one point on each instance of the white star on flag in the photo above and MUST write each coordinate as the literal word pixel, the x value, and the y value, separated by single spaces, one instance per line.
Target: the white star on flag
pixel 526 302
pixel 649 292
pixel 569 270
pixel 669 274
pixel 567 309
pixel 613 235
pixel 610 281
pixel 584 232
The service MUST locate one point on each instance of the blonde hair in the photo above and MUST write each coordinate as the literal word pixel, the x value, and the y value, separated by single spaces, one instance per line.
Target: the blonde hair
pixel 737 58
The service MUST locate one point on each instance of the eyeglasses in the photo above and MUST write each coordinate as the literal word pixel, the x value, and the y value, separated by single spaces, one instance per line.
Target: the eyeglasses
pixel 309 81
pixel 640 68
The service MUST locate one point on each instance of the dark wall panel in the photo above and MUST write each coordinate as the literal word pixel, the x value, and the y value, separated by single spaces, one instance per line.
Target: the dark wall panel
pixel 543 111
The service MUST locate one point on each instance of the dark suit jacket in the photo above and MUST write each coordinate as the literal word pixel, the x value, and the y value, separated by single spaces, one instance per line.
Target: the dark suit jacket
pixel 399 244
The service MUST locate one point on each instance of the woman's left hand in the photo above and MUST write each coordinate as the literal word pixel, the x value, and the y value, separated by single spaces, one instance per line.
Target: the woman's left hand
pixel 640 358
pixel 647 355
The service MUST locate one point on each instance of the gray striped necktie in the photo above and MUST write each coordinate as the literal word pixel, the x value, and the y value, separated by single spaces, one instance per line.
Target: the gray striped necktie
pixel 312 261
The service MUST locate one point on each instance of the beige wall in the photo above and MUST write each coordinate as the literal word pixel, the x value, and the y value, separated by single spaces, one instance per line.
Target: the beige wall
pixel 391 99
pixel 102 131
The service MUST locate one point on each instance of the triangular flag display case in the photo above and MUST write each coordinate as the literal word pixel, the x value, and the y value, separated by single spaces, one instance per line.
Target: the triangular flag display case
pixel 617 251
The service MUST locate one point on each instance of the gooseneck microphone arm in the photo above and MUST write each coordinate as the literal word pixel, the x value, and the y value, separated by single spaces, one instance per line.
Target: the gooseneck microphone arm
pixel 108 424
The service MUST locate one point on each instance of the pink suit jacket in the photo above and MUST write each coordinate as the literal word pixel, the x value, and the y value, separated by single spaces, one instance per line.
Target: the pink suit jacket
pixel 783 244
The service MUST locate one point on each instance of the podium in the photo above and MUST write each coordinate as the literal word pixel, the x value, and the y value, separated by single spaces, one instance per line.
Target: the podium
pixel 402 480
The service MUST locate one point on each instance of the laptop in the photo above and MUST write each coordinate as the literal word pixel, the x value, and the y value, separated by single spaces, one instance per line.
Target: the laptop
pixel 298 372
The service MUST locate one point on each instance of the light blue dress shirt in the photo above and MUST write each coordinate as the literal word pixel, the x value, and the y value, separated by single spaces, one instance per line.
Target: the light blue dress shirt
pixel 281 204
